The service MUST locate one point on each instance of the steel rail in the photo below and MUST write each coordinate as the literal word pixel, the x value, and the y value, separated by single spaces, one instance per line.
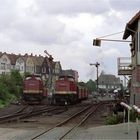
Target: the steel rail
pixel 13 114
pixel 15 117
pixel 81 122
pixel 21 115
pixel 63 122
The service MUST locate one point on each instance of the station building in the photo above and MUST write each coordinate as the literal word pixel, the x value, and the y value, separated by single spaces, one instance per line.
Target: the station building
pixel 132 30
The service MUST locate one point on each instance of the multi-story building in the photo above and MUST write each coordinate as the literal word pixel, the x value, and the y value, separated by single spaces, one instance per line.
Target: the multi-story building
pixel 133 29
pixel 108 82
pixel 5 64
pixel 44 66
pixel 20 64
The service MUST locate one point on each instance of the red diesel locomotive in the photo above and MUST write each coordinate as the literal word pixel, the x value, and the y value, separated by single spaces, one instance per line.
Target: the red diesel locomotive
pixel 34 89
pixel 67 90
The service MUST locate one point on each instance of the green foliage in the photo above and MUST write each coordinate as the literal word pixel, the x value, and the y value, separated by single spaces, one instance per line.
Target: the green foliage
pixel 27 74
pixel 91 85
pixel 133 115
pixel 16 77
pixel 114 119
pixel 10 87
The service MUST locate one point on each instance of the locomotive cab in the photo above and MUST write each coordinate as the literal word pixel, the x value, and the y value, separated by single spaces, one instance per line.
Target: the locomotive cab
pixel 65 90
pixel 33 89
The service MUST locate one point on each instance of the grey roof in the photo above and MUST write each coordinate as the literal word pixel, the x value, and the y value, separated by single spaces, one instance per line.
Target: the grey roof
pixel 131 25
pixel 108 79
pixel 12 58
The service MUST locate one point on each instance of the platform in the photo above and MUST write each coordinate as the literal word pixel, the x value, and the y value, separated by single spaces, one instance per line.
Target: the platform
pixel 111 132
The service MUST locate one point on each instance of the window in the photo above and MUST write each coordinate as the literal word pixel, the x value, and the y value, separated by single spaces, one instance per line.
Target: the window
pixel 43 70
pixel 3 67
pixel 62 78
pixel 21 68
pixel 17 67
pixel 30 69
pixel 10 66
pixel 20 61
pixel 70 79
pixel 3 73
pixel 4 60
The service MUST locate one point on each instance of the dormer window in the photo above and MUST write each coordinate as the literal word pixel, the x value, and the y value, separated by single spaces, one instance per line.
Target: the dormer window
pixel 4 60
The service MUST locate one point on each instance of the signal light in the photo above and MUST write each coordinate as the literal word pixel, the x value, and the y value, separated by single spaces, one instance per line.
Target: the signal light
pixel 97 42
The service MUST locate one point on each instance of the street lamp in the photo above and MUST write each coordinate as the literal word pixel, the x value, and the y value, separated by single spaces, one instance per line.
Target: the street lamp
pixel 96 65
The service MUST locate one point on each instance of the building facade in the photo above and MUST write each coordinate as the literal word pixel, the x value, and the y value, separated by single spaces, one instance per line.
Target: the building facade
pixel 5 64
pixel 133 30
pixel 44 66
pixel 108 82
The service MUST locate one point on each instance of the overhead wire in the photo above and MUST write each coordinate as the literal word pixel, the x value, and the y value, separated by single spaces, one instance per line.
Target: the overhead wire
pixel 111 34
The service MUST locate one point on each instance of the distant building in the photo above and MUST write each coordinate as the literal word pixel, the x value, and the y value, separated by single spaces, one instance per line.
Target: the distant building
pixel 48 69
pixel 33 64
pixel 108 82
pixel 20 64
pixel 5 64
pixel 71 72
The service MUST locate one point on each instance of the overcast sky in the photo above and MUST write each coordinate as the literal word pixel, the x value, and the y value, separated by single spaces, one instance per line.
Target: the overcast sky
pixel 66 28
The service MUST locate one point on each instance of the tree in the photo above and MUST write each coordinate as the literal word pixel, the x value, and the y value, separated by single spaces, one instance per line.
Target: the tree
pixel 91 85
pixel 7 89
pixel 16 77
pixel 17 81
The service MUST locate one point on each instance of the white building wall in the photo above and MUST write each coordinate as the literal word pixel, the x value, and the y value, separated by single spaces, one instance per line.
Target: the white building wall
pixel 5 64
pixel 20 65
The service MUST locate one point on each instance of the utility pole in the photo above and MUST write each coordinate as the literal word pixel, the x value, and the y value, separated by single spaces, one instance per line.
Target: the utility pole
pixel 96 65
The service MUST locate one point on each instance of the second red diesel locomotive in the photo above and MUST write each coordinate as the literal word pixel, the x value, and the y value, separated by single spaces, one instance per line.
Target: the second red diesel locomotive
pixel 67 90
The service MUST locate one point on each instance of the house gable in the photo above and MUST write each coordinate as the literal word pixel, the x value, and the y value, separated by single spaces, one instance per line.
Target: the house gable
pixel 5 64
pixel 20 65
pixel 30 65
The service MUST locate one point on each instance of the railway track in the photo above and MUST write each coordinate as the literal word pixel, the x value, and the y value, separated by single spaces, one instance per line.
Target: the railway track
pixel 16 115
pixel 29 111
pixel 80 118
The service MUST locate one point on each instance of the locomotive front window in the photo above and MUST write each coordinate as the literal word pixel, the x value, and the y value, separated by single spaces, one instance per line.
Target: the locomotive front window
pixel 38 78
pixel 62 78
pixel 70 79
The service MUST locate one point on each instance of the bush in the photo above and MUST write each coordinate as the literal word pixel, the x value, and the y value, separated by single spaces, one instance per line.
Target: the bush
pixel 10 88
pixel 114 119
pixel 133 115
